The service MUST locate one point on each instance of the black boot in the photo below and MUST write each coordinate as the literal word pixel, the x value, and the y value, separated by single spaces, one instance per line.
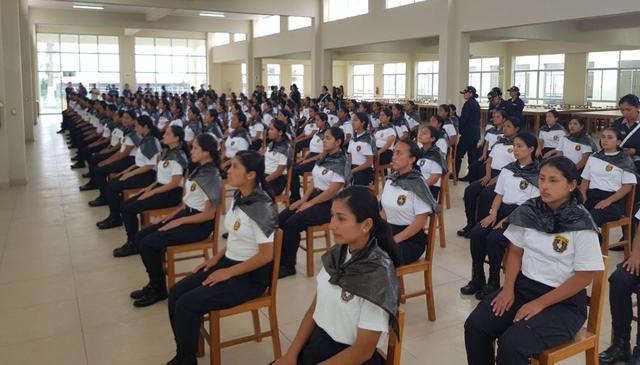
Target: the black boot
pixel 137 294
pixel 286 271
pixel 620 350
pixel 128 249
pixel 98 202
pixel 109 223
pixel 78 165
pixel 89 186
pixel 635 358
pixel 181 359
pixel 465 231
pixel 152 296
pixel 492 285
pixel 477 282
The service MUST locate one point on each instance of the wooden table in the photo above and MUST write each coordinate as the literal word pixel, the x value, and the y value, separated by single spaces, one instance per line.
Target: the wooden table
pixel 537 114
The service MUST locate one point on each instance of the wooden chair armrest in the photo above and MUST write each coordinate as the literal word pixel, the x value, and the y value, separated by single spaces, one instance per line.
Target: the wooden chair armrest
pixel 196 246
pixel 162 212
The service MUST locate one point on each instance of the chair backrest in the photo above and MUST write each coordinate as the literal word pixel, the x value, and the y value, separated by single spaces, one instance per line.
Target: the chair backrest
pixel 277 249
pixel 431 237
pixel 215 234
pixel 630 202
pixel 394 347
pixel 287 187
pixel 594 320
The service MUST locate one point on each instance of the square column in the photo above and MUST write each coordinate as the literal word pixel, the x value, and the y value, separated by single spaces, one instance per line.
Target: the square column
pixel 453 48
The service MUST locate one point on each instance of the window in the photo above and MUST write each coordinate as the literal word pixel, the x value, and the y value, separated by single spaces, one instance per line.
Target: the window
pixel 266 26
pixel 611 75
pixel 396 3
pixel 220 39
pixel 395 75
pixel 363 76
pixel 427 81
pixel 297 22
pixel 176 64
pixel 540 78
pixel 273 75
pixel 239 37
pixel 297 77
pixel 340 9
pixel 484 73
pixel 75 58
pixel 243 75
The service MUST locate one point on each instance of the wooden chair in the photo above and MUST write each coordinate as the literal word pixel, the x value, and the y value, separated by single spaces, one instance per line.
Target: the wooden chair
pixel 128 193
pixel 625 223
pixel 378 175
pixel 308 247
pixel 268 300
pixel 587 338
pixel 306 180
pixel 284 197
pixel 154 216
pixel 451 161
pixel 424 266
pixel 441 204
pixel 394 347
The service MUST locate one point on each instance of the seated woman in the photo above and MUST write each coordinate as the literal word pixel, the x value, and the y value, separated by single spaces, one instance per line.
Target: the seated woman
pixel 608 176
pixel 344 122
pixel 256 128
pixel 401 125
pixel 165 192
pixel 212 125
pixel 316 147
pixel 517 183
pixel 443 137
pixel 360 151
pixel 385 136
pixel 432 162
pixel 277 157
pixel 443 112
pixel 239 272
pixel 577 145
pixel 307 128
pixel 330 174
pixel 477 168
pixel 193 125
pixel 238 139
pixel 406 202
pixel 550 134
pixel 341 326
pixel 479 194
pixel 552 258
pixel 139 175
pixel 190 222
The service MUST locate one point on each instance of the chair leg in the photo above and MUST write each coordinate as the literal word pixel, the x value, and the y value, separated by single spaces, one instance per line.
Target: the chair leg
pixel 327 238
pixel 275 332
pixel 171 270
pixel 256 323
pixel 403 300
pixel 605 241
pixel 214 338
pixel 591 356
pixel 428 286
pixel 626 233
pixel 201 342
pixel 443 239
pixel 447 196
pixel 310 253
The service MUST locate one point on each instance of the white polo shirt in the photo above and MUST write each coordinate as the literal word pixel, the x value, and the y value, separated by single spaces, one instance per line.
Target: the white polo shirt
pixel 309 128
pixel 194 196
pixel 552 263
pixel 359 152
pixel 412 122
pixel 401 130
pixel 442 144
pixel 382 135
pixel 514 190
pixel 551 139
pixel 316 144
pixel 332 119
pixel 347 128
pixel 167 169
pixel 125 142
pixel 142 160
pixel 375 121
pixel 401 206
pixel 429 167
pixel 501 155
pixel 178 122
pixel 341 319
pixel 323 177
pixel 572 150
pixel 491 139
pixel 244 235
pixel 116 136
pixel 272 160
pixel 162 121
pixel 267 118
pixel 450 129
pixel 234 145
pixel 605 176
pixel 106 132
pixel 256 130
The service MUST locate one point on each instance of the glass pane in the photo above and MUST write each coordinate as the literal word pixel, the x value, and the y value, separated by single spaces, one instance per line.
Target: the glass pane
pixel 197 47
pixel 531 85
pixel 109 78
pixel 602 59
pixel 436 66
pixel 297 70
pixel 181 81
pixel 368 85
pixel 88 78
pixel 552 62
pixel 108 44
pixel 630 58
pixel 50 90
pixel 48 42
pixel 69 62
pixel 89 62
pixel 164 78
pixel 163 46
pixel 201 64
pixel 485 85
pixel 179 46
pixel 109 63
pixel 239 37
pixel 69 43
pixel 400 85
pixel 475 64
pixel 273 80
pixel 243 68
pixel 273 69
pixel 144 46
pixel 201 79
pixel 145 63
pixel 220 39
pixel 610 85
pixel 526 63
pixel 363 69
pixel 297 22
pixel 401 68
pixel 163 64
pixel 490 64
pixel 435 85
pixel 594 86
pixel 48 61
pixel 88 44
pixel 389 68
pixel 145 78
pixel 180 64
pixel 474 79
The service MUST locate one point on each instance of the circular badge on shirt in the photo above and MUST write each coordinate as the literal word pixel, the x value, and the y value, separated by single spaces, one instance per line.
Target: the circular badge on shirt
pixel 193 186
pixel 401 199
pixel 358 148
pixel 578 147
pixel 556 138
pixel 510 150
pixel 560 243
pixel 236 225
pixel 274 153
pixel 233 142
pixel 422 162
pixel 609 168
pixel 165 164
pixel 523 184
pixel 324 172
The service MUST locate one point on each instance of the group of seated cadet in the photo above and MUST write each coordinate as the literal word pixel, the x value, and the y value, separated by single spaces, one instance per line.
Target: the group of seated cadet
pixel 577 145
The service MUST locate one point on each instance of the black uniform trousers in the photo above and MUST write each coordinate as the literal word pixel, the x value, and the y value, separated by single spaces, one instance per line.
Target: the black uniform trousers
pixel 293 223
pixel 85 152
pixel 491 242
pixel 321 347
pixel 132 207
pixel 413 247
pixel 466 146
pixel 554 326
pixel 435 191
pixel 298 171
pixel 546 150
pixel 102 173
pixel 611 213
pixel 189 300
pixel 385 157
pixel 362 178
pixel 152 243
pixel 476 170
pixel 478 200
pixel 113 190
pixel 622 285
pixel 278 185
pixel 93 161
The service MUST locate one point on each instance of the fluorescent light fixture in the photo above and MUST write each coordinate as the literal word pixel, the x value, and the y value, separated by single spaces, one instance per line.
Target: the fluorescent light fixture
pixel 213 15
pixel 88 6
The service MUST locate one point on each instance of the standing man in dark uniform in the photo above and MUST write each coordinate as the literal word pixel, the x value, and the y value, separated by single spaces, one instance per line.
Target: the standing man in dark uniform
pixel 515 105
pixel 469 127
pixel 496 102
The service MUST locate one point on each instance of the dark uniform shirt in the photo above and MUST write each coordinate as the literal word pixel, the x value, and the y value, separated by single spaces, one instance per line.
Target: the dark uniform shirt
pixel 515 107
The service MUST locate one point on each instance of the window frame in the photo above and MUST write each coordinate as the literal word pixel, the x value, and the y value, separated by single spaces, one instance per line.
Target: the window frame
pixel 434 75
pixel 368 76
pixel 541 75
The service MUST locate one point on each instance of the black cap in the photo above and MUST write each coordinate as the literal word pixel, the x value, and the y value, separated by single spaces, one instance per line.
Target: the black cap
pixel 468 89
pixel 492 94
pixel 514 88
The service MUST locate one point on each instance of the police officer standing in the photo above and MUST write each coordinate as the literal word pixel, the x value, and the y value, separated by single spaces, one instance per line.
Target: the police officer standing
pixel 469 126
pixel 515 105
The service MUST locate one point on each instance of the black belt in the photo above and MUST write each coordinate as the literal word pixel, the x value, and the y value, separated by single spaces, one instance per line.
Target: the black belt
pixel 190 210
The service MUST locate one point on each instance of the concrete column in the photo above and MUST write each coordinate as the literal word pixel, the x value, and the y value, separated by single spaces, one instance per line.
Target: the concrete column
pixel 13 162
pixel 128 62
pixel 254 66
pixel 575 78
pixel 410 78
pixel 453 51
pixel 27 71
pixel 210 74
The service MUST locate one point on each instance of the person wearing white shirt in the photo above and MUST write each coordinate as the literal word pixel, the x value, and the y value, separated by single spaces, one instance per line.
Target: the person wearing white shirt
pixel 277 157
pixel 256 128
pixel 543 302
pixel 385 136
pixel 577 145
pixel 177 114
pixel 443 111
pixel 344 122
pixel 407 202
pixel 239 272
pixel 360 150
pixel 341 326
pixel 491 135
pixel 316 148
pixel 309 129
pixel 551 134
pixel 608 176
pixel 238 140
pixel 517 183
pixel 432 162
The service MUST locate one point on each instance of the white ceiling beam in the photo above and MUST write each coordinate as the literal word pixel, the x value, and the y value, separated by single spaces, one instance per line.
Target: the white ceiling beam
pixel 155 14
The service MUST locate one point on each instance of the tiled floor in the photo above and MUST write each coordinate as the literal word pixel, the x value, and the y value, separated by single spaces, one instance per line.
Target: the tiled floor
pixel 64 298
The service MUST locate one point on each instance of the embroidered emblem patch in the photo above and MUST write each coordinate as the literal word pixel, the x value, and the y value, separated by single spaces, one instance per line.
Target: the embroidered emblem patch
pixel 358 148
pixel 165 164
pixel 556 138
pixel 560 243
pixel 524 184
pixel 193 186
pixel 609 168
pixel 233 142
pixel 422 162
pixel 324 172
pixel 236 225
pixel 401 199
pixel 510 150
pixel 578 147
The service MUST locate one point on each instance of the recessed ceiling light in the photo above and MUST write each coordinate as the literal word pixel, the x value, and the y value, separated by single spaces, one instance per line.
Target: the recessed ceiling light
pixel 88 6
pixel 213 15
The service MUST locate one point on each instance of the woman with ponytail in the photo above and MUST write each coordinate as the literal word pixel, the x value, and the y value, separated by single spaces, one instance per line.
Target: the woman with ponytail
pixel 194 125
pixel 277 157
pixel 256 128
pixel 238 139
pixel 341 326
pixel 177 114
pixel 192 221
pixel 212 125
pixel 239 272
pixel 165 192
